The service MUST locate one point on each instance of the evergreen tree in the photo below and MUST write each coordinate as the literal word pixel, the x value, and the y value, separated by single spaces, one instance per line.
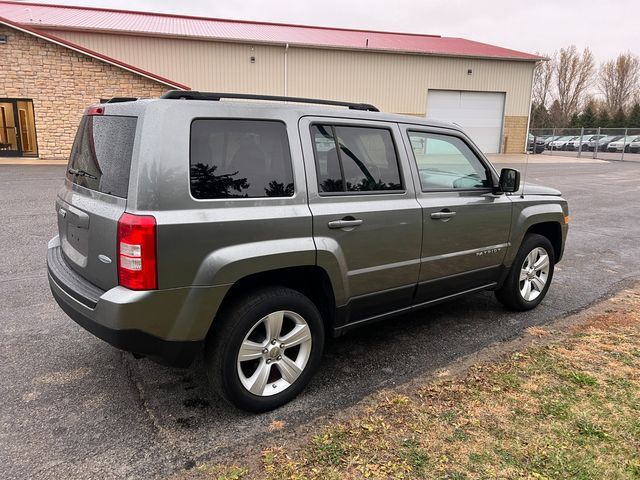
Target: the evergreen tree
pixel 619 120
pixel 575 121
pixel 540 116
pixel 588 117
pixel 633 121
pixel 555 115
pixel 604 120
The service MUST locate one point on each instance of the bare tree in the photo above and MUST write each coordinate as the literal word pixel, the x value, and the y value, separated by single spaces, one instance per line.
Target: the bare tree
pixel 542 80
pixel 619 81
pixel 573 73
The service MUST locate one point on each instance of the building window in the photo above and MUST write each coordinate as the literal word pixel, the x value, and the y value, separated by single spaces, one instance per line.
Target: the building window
pixel 17 128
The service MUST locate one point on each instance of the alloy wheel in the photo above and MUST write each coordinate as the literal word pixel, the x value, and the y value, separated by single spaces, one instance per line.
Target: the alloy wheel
pixel 274 353
pixel 534 274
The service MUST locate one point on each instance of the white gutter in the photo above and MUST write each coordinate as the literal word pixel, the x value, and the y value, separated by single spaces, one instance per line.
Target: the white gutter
pixel 526 136
pixel 286 70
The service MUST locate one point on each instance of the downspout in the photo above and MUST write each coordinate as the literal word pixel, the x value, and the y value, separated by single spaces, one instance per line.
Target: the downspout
pixel 526 135
pixel 286 71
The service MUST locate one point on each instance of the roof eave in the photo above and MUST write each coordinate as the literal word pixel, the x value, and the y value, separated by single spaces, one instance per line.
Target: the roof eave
pixel 291 44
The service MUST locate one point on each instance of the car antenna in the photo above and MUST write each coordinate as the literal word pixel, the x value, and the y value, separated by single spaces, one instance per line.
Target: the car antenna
pixel 526 167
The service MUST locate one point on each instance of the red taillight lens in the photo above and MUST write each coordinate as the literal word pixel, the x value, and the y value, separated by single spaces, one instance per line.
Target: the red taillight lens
pixel 94 110
pixel 137 252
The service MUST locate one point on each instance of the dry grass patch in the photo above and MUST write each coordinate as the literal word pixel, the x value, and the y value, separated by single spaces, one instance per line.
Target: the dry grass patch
pixel 569 409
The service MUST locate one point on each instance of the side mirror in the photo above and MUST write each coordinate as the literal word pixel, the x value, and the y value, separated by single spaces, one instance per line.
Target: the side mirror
pixel 509 180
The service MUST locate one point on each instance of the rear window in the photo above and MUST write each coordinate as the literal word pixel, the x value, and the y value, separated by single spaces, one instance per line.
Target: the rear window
pixel 240 158
pixel 101 154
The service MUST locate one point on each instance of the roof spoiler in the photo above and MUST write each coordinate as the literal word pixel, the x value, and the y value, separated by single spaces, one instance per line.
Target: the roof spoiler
pixel 118 99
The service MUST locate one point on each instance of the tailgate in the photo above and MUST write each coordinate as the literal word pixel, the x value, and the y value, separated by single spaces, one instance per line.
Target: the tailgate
pixel 94 196
pixel 88 229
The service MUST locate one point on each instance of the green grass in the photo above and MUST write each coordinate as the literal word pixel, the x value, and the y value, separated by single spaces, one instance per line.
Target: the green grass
pixel 415 456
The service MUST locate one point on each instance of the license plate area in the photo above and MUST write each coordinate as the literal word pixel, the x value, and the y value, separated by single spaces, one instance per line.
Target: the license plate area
pixel 73 227
pixel 78 238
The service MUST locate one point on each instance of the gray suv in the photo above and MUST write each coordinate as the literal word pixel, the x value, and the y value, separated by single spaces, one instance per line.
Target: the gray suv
pixel 254 229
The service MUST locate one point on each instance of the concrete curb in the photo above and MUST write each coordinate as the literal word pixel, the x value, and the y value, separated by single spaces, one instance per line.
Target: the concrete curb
pixel 34 161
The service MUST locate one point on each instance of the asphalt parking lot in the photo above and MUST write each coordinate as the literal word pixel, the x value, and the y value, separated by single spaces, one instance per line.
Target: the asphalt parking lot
pixel 74 407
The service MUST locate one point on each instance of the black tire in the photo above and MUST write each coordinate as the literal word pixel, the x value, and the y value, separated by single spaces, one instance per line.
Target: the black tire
pixel 235 323
pixel 509 294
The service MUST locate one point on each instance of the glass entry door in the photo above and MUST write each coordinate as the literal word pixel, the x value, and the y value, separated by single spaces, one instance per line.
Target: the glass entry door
pixel 17 128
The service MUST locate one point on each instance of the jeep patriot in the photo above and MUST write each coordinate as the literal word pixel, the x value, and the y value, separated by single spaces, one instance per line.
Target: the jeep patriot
pixel 253 229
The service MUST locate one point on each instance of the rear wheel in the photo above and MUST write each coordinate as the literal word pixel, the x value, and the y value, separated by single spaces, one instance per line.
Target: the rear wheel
pixel 266 349
pixel 530 276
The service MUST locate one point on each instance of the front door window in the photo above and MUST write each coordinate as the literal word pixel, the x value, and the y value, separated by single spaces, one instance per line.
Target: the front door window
pixel 17 128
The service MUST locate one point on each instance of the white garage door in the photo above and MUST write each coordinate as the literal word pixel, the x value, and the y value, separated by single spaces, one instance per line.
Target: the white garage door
pixel 479 113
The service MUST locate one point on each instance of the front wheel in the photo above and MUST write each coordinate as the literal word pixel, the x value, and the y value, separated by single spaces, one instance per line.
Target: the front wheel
pixel 266 349
pixel 530 276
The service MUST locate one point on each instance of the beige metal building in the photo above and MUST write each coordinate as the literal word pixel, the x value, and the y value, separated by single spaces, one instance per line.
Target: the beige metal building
pixel 484 88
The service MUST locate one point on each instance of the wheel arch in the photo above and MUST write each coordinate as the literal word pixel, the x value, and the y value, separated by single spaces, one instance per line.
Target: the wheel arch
pixel 552 230
pixel 310 280
pixel 545 219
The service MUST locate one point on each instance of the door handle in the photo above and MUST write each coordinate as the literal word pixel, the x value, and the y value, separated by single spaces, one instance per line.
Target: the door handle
pixel 443 215
pixel 348 222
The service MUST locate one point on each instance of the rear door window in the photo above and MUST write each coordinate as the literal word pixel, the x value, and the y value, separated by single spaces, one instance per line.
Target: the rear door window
pixel 101 154
pixel 240 159
pixel 355 159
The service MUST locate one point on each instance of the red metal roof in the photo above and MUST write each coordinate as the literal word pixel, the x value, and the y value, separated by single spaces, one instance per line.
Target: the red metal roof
pixel 91 53
pixel 165 25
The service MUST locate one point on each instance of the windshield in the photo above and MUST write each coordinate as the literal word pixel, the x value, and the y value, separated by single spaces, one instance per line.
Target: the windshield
pixel 101 155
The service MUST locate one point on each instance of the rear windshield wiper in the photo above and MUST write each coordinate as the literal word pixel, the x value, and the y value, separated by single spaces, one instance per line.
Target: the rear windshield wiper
pixel 81 173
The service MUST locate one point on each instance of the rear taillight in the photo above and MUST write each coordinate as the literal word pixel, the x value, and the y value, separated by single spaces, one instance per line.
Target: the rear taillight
pixel 137 252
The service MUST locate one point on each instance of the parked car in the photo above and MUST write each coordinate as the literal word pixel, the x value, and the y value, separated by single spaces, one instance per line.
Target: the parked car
pixel 603 143
pixel 550 139
pixel 581 142
pixel 252 229
pixel 539 144
pixel 634 147
pixel 622 144
pixel 561 143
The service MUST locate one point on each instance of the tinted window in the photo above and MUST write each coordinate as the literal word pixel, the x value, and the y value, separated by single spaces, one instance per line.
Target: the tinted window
pixel 240 158
pixel 446 162
pixel 327 162
pixel 103 148
pixel 355 159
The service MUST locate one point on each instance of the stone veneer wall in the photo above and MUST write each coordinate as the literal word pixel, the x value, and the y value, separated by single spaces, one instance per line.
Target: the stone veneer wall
pixel 62 83
pixel 514 134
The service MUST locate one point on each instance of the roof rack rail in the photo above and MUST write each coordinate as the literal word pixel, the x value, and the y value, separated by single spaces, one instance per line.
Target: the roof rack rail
pixel 194 95
pixel 118 99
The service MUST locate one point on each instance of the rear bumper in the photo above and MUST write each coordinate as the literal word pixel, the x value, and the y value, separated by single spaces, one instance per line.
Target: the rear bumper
pixel 173 353
pixel 167 325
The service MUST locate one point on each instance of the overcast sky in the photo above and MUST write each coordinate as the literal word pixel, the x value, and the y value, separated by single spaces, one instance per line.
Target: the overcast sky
pixel 608 28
